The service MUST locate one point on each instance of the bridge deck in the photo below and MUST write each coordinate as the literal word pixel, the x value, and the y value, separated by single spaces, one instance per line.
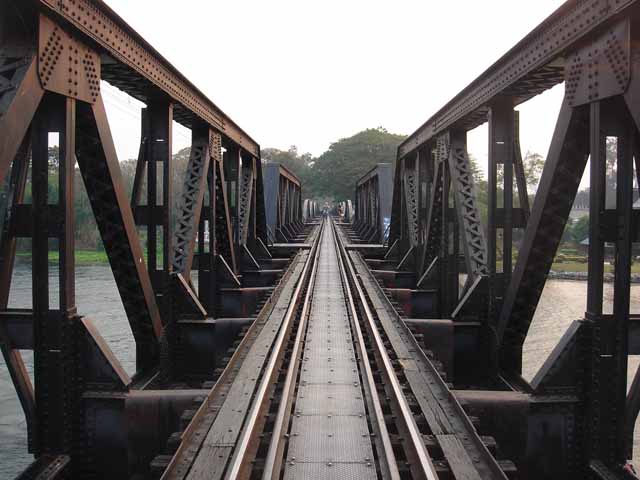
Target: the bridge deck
pixel 330 383
pixel 329 435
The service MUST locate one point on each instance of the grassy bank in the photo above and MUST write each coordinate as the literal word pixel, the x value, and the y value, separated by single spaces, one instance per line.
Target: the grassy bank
pixel 83 257
pixel 93 257
pixel 570 267
pixel 578 267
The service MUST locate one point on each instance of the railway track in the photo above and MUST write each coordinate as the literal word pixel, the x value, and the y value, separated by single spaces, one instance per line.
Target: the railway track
pixel 330 383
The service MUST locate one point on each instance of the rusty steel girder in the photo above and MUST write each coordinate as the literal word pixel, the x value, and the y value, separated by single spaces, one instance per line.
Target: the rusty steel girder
pixel 578 400
pixel 373 204
pixel 85 415
pixel 283 198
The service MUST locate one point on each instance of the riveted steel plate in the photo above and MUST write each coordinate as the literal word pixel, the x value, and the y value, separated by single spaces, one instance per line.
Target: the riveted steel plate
pixel 343 471
pixel 330 336
pixel 318 371
pixel 329 436
pixel 65 64
pixel 324 438
pixel 317 399
pixel 602 68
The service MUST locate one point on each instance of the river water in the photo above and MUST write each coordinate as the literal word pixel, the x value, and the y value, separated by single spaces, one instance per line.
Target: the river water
pixel 97 296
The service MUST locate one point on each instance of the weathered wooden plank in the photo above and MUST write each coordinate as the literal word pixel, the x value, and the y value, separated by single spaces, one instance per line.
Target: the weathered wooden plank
pixel 459 461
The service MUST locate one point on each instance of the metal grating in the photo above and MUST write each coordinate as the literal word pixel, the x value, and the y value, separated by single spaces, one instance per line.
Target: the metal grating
pixel 329 436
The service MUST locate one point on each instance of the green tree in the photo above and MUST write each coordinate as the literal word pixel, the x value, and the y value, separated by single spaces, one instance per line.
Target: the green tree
pixel 476 171
pixel 611 157
pixel 580 229
pixel 481 187
pixel 334 173
pixel 298 164
pixel 533 164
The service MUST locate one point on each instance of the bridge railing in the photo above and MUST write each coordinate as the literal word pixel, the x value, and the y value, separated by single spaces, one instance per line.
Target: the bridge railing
pixel 372 206
pixel 53 57
pixel 284 204
pixel 437 234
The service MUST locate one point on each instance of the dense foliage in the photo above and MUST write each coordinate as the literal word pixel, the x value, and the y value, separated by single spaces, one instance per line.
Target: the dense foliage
pixel 87 234
pixel 332 175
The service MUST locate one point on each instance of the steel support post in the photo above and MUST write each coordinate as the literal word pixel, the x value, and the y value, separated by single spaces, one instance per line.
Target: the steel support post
pixel 559 183
pixel 226 204
pixel 430 256
pixel 410 185
pixel 157 129
pixel 53 330
pixel 521 180
pixel 208 226
pixel 425 162
pixel 232 165
pixel 98 164
pixel 609 355
pixel 448 292
pixel 191 204
pixel 261 214
pixel 501 153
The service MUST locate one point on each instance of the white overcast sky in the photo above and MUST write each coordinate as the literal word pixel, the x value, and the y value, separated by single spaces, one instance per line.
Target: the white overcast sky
pixel 308 73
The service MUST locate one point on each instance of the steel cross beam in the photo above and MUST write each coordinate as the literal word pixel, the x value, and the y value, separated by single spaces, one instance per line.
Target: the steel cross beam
pixel 136 66
pixel 534 65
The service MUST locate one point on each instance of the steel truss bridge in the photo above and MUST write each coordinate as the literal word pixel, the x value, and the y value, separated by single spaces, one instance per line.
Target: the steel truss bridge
pixel 386 344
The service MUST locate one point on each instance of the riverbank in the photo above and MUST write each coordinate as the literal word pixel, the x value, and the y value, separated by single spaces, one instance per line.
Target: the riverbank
pixel 584 276
pixel 83 257
pixel 580 272
pixel 559 271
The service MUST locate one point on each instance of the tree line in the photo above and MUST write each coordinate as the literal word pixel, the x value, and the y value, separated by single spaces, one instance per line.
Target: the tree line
pixel 328 177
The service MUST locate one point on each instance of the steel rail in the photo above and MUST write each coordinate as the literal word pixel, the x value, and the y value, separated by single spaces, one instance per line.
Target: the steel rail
pixel 193 428
pixel 444 393
pixel 422 467
pixel 566 28
pixel 390 463
pixel 273 460
pixel 240 463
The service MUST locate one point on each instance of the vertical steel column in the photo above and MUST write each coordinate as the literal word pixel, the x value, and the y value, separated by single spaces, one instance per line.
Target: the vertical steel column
pixel 53 329
pixel 447 297
pixel 425 180
pixel 223 210
pixel 102 178
pixel 468 214
pixel 411 188
pixel 207 260
pixel 232 162
pixel 431 253
pixel 253 205
pixel 518 170
pixel 501 152
pixel 563 170
pixel 261 214
pixel 191 203
pixel 158 126
pixel 246 200
pixel 600 381
pixel 622 277
pixel 403 209
pixel 609 355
